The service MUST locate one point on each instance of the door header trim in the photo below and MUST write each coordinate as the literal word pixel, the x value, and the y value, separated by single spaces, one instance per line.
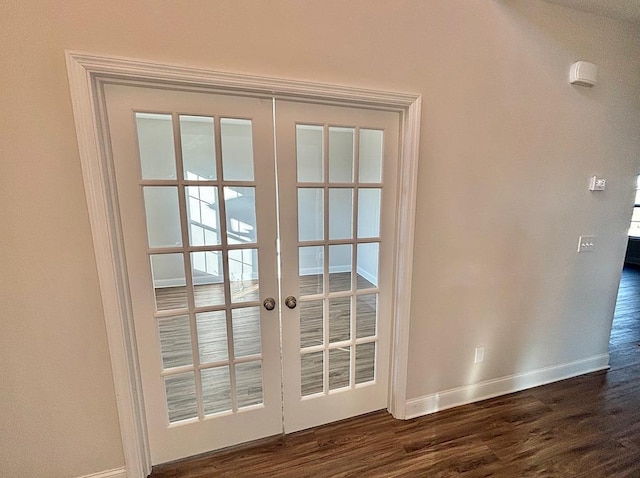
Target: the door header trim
pixel 86 74
pixel 126 68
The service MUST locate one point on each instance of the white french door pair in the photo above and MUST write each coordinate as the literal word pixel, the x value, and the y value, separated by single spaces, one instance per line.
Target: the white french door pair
pixel 258 239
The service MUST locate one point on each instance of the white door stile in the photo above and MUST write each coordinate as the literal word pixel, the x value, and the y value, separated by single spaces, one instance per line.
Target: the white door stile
pixel 87 72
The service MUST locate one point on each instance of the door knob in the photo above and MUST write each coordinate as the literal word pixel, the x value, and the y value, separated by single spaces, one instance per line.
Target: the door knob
pixel 290 302
pixel 269 303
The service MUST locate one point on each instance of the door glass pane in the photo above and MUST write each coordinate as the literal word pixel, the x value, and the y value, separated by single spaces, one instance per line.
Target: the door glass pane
pixel 309 152
pixel 339 367
pixel 341 213
pixel 155 145
pixel 369 212
pixel 208 278
pixel 246 331
pixel 365 362
pixel 311 323
pixel 340 267
pixel 181 396
pixel 366 311
pixel 175 341
pixel 198 148
pixel 311 370
pixel 341 154
pixel 212 336
pixel 370 165
pixel 339 319
pixel 249 384
pixel 368 265
pixel 203 215
pixel 240 205
pixel 243 274
pixel 310 214
pixel 237 149
pixel 163 216
pixel 169 281
pixel 311 267
pixel 216 390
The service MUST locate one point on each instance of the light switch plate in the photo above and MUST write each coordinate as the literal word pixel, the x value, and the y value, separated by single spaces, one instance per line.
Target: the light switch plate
pixel 597 184
pixel 586 243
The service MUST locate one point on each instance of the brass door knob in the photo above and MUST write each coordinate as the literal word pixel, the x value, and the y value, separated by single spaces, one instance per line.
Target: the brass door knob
pixel 290 302
pixel 269 303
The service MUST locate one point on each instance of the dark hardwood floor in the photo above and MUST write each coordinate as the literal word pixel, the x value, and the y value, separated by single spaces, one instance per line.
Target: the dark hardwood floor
pixel 588 426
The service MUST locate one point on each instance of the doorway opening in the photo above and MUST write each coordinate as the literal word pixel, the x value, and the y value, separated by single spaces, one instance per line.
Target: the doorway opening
pixel 87 75
pixel 625 330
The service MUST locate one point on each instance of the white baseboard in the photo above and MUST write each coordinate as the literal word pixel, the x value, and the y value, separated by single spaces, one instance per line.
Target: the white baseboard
pixel 115 473
pixel 367 275
pixel 178 282
pixel 310 271
pixel 435 402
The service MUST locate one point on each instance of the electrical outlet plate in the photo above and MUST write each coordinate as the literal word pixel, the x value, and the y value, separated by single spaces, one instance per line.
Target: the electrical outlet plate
pixel 586 243
pixel 479 357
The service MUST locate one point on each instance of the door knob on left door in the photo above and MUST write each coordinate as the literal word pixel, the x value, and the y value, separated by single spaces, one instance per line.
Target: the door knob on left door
pixel 269 303
pixel 290 302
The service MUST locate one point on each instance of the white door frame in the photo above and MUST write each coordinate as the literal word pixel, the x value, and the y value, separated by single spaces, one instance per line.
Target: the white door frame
pixel 87 73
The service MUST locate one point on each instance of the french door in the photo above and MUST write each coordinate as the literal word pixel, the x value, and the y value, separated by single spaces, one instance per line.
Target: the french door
pixel 255 234
pixel 336 169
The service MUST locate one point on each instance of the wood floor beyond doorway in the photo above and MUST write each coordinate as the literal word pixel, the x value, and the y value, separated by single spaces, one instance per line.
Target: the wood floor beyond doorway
pixel 584 427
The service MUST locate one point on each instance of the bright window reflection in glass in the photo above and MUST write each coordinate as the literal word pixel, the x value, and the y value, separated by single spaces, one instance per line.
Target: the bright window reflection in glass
pixel 208 278
pixel 162 215
pixel 369 212
pixel 198 147
pixel 237 149
pixel 310 214
pixel 156 146
pixel 243 274
pixel 370 164
pixel 203 215
pixel 341 213
pixel 309 152
pixel 341 154
pixel 240 204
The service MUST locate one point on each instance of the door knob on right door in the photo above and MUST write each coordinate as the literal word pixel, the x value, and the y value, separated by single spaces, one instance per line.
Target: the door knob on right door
pixel 290 302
